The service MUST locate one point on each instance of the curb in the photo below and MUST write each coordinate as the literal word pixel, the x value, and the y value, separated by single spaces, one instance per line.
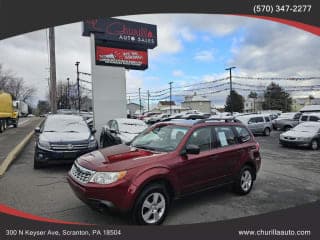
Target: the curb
pixel 15 152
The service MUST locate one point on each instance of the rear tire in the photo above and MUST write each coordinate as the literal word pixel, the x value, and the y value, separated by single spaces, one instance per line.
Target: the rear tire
pixel 244 181
pixel 266 132
pixel 151 206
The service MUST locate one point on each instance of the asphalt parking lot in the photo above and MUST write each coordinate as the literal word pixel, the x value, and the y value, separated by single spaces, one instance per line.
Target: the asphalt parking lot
pixel 288 178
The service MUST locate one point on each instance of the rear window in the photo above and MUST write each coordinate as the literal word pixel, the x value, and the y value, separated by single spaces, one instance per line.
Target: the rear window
pixel 225 136
pixel 267 119
pixel 313 119
pixel 243 134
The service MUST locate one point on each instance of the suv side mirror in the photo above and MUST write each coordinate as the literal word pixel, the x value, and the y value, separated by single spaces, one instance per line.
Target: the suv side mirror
pixel 113 131
pixel 192 149
pixel 93 131
pixel 37 130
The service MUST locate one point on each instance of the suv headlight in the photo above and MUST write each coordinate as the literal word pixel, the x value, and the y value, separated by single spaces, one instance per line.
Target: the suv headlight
pixel 107 177
pixel 92 142
pixel 44 144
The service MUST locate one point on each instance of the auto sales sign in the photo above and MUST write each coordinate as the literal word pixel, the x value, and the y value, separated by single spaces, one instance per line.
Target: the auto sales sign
pixel 128 58
pixel 126 33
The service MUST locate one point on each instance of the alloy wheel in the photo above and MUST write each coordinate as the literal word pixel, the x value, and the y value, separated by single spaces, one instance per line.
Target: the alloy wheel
pixel 153 207
pixel 246 180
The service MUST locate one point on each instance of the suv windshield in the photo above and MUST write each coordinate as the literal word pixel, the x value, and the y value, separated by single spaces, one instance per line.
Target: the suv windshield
pixel 164 138
pixel 65 125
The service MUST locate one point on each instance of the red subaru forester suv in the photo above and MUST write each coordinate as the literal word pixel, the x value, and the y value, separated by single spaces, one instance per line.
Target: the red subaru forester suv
pixel 166 162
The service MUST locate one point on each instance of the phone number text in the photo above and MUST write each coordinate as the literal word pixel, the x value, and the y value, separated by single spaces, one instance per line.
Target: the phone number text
pixel 267 8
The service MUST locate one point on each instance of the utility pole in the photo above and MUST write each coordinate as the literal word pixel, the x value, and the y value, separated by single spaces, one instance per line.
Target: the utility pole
pixel 68 97
pixel 140 101
pixel 230 76
pixel 61 94
pixel 78 84
pixel 53 87
pixel 148 100
pixel 170 102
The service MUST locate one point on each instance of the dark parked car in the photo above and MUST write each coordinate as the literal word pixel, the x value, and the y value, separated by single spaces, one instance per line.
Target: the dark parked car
pixel 286 121
pixel 306 134
pixel 121 130
pixel 62 138
pixel 167 161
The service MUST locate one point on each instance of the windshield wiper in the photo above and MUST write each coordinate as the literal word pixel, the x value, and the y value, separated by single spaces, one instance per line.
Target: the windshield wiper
pixel 72 131
pixel 144 147
pixel 49 131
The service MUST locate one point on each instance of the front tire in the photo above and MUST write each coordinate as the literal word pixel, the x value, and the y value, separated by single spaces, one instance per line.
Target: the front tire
pixel 151 206
pixel 244 181
pixel 314 144
pixel 287 128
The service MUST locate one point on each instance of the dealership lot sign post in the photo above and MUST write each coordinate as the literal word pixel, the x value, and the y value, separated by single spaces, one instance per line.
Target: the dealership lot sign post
pixel 115 45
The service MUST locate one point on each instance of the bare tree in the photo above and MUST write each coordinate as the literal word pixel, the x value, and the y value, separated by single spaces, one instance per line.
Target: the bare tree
pixel 15 85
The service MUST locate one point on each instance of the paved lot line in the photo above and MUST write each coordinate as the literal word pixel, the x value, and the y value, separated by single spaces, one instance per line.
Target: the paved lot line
pixel 15 152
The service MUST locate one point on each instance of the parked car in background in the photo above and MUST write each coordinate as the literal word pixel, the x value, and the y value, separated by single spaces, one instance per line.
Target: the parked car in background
pixel 306 134
pixel 286 121
pixel 21 107
pixel 168 161
pixel 309 117
pixel 121 130
pixel 192 114
pixel 61 139
pixel 257 123
pixel 158 118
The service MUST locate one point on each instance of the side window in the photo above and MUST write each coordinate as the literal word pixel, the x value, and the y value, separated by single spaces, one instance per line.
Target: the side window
pixel 109 124
pixel 267 119
pixel 313 119
pixel 259 119
pixel 201 137
pixel 297 116
pixel 243 134
pixel 114 125
pixel 252 120
pixel 225 136
pixel 304 118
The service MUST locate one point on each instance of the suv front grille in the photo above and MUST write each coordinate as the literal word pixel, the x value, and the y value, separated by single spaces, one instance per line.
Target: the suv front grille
pixel 80 173
pixel 68 147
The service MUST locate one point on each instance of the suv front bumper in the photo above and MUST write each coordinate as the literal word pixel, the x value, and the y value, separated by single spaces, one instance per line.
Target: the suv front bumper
pixel 116 195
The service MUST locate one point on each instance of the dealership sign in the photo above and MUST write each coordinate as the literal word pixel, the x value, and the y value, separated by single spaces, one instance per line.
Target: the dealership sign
pixel 128 58
pixel 141 35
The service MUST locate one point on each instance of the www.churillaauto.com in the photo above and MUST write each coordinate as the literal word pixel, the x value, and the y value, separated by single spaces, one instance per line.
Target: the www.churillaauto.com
pixel 274 232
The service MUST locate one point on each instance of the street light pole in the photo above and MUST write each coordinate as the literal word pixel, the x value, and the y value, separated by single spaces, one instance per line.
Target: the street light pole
pixel 230 77
pixel 140 101
pixel 78 84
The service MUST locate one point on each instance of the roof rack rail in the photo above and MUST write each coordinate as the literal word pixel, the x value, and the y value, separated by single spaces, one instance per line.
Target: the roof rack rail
pixel 217 119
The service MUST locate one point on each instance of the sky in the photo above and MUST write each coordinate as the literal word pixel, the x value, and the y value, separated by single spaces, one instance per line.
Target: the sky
pixel 192 48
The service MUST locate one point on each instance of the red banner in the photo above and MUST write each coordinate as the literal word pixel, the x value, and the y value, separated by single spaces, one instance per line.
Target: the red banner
pixel 128 58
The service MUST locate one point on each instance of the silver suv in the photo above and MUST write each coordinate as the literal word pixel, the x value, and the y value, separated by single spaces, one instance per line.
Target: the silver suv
pixel 257 123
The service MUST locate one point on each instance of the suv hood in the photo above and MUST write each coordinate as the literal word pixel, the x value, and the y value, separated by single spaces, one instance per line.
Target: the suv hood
pixel 117 158
pixel 64 137
pixel 298 134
